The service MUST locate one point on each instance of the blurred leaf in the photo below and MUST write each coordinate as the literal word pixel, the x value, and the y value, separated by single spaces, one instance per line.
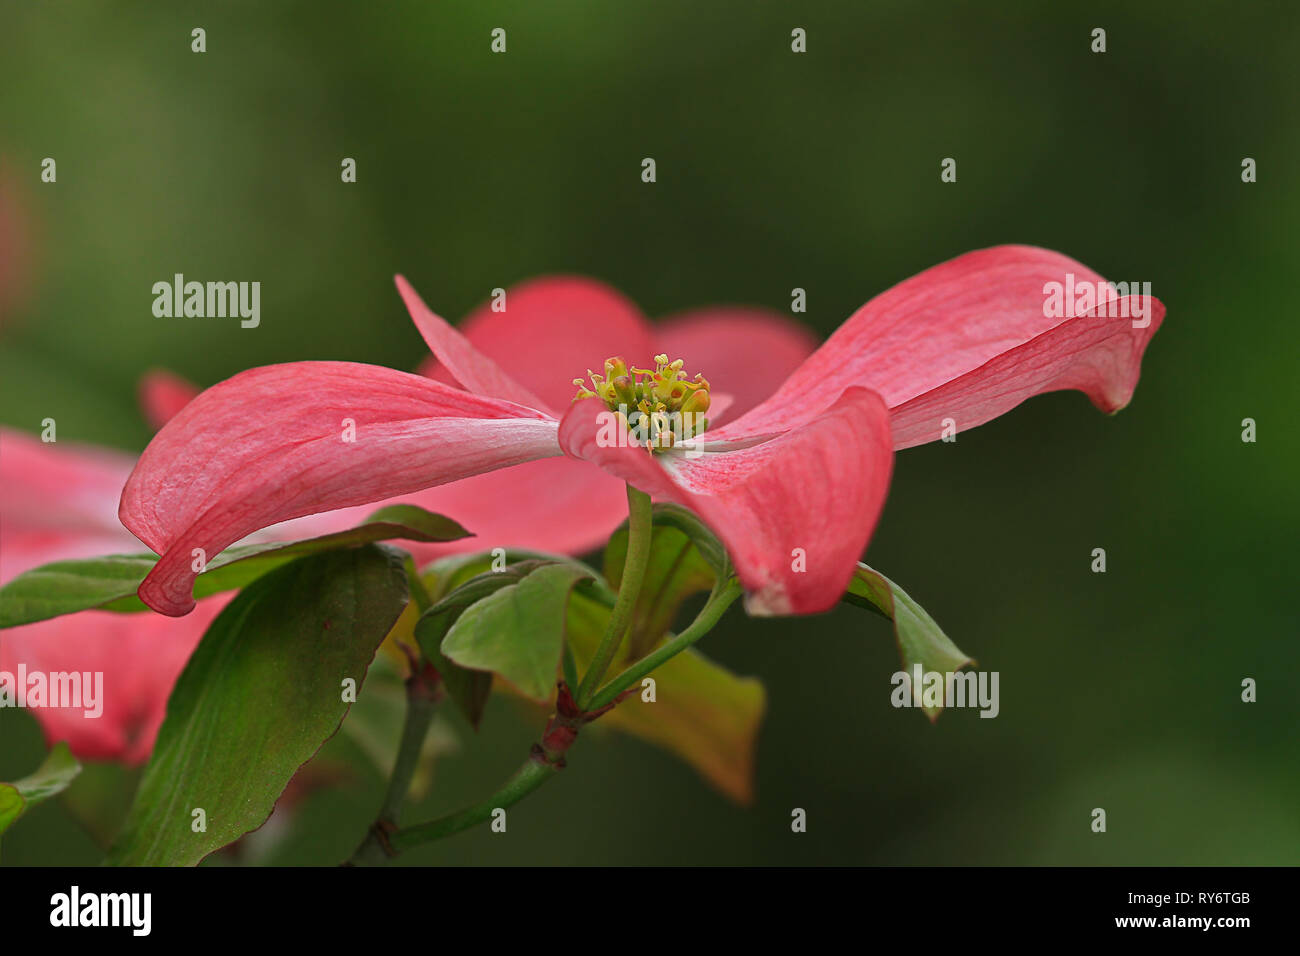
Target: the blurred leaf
pixel 51 777
pixel 66 587
pixel 100 799
pixel 260 695
pixel 702 713
pixel 920 639
pixel 675 571
pixel 517 631
pixel 11 805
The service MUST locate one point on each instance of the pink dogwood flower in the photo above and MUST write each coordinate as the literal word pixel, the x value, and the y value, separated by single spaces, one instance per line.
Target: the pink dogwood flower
pixel 551 326
pixel 793 486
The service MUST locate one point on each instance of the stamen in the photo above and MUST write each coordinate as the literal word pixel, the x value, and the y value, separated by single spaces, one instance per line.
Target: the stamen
pixel 659 407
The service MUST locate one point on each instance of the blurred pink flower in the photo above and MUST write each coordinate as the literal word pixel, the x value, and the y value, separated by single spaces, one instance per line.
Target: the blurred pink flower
pixel 58 502
pixel 162 394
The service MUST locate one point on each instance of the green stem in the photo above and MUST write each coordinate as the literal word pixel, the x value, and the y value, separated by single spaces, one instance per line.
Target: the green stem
pixel 639 530
pixel 529 777
pixel 421 702
pixel 709 615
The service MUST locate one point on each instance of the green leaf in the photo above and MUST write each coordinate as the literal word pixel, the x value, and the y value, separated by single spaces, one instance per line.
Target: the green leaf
pixel 52 777
pixel 685 521
pixel 518 630
pixel 66 587
pixel 262 692
pixel 468 689
pixel 474 589
pixel 676 570
pixel 920 639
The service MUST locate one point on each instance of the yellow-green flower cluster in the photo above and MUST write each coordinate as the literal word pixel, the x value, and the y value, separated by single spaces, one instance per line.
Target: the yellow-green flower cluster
pixel 660 406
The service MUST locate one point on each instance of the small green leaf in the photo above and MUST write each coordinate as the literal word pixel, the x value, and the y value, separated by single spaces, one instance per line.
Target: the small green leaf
pixel 676 570
pixel 920 639
pixel 262 692
pixel 52 777
pixel 468 689
pixel 66 587
pixel 518 630
pixel 447 574
pixel 459 580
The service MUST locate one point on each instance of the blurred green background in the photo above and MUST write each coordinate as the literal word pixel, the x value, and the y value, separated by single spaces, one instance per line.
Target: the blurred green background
pixel 775 170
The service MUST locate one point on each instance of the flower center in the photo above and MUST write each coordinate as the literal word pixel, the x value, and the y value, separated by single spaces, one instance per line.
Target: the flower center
pixel 659 407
